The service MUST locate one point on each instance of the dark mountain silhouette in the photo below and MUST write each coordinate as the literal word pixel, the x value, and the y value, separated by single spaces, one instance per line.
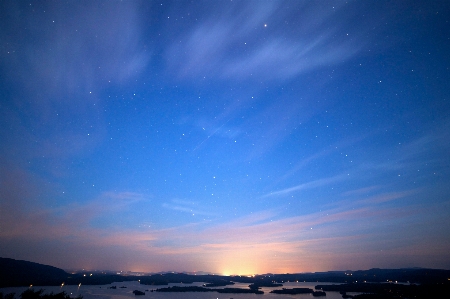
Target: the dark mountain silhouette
pixel 22 273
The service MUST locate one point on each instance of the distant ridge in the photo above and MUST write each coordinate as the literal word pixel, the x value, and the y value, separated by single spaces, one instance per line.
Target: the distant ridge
pixel 23 273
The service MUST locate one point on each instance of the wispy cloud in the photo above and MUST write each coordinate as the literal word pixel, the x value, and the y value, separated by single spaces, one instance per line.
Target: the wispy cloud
pixel 306 186
pixel 386 197
pixel 76 52
pixel 185 206
pixel 264 51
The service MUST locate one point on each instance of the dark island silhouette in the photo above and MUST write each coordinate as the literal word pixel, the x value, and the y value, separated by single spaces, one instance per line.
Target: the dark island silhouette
pixel 220 283
pixel 138 293
pixel 374 283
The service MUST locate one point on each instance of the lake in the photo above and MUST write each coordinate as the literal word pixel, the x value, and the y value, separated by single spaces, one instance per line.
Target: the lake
pixel 104 291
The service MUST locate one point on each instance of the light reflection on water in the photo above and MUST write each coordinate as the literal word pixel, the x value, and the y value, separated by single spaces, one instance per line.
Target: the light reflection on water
pixel 104 292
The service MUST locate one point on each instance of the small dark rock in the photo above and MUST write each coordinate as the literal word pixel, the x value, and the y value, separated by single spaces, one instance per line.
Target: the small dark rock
pixel 136 292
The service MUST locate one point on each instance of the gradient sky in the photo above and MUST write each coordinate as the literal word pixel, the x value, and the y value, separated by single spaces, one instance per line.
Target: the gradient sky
pixel 235 137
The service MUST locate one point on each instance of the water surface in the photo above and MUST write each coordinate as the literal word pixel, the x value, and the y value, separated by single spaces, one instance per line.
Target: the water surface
pixel 104 291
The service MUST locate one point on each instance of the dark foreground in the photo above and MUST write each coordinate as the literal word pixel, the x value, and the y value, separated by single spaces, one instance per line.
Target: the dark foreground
pixel 375 283
pixel 391 290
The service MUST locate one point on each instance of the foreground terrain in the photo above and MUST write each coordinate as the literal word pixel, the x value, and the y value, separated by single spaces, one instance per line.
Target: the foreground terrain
pixel 374 283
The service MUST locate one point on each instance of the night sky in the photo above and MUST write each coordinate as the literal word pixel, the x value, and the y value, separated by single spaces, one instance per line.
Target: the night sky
pixel 235 137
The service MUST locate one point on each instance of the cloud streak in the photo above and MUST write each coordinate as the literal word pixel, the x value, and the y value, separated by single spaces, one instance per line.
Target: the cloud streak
pixel 207 48
pixel 192 208
pixel 306 186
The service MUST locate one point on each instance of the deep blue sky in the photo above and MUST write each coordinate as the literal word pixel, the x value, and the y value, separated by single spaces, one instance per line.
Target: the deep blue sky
pixel 235 137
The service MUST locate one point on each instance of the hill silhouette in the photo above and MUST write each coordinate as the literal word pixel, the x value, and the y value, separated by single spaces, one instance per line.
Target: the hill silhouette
pixel 23 273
